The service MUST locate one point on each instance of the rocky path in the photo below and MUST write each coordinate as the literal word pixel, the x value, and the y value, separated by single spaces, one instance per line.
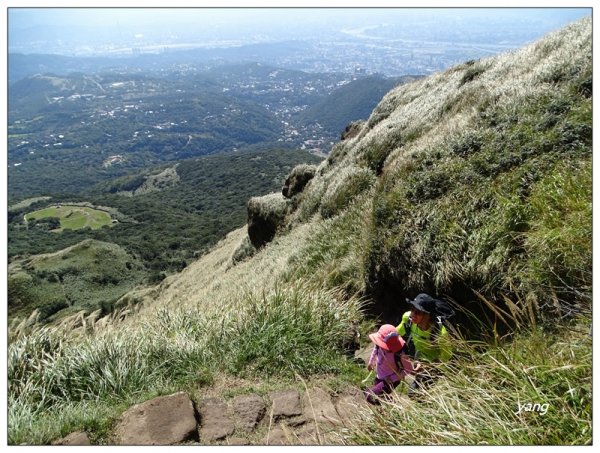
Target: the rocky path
pixel 288 417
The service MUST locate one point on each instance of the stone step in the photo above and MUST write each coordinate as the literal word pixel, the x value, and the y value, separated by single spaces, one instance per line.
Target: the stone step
pixel 287 417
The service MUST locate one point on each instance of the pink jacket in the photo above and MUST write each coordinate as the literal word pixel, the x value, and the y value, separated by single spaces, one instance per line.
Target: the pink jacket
pixel 385 365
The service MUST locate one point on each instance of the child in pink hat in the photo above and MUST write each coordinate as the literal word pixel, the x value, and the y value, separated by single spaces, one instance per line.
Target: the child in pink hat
pixel 390 364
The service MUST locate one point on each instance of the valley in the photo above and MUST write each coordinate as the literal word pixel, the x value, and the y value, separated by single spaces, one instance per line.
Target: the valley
pixel 100 126
pixel 172 155
pixel 164 217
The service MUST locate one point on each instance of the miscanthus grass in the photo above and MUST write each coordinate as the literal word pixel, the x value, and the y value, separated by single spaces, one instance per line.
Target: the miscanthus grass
pixel 334 258
pixel 56 378
pixel 535 389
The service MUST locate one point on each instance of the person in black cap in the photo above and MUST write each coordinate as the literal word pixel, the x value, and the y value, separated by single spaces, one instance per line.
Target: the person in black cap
pixel 426 338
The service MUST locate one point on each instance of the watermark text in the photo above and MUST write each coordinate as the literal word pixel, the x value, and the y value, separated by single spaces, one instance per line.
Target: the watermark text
pixel 533 407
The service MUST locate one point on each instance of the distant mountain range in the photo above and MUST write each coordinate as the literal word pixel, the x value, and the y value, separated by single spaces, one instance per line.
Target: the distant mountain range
pixel 24 65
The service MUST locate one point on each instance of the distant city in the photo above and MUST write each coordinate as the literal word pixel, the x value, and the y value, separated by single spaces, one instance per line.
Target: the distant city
pixel 392 42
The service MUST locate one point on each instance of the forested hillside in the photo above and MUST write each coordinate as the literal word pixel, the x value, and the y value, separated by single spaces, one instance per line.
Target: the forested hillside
pixel 163 217
pixel 69 132
pixel 351 102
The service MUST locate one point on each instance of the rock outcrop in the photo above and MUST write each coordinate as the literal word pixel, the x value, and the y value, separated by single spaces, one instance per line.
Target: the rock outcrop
pixel 265 216
pixel 297 180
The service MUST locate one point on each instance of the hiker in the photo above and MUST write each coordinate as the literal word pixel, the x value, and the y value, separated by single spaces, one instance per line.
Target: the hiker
pixel 426 338
pixel 390 364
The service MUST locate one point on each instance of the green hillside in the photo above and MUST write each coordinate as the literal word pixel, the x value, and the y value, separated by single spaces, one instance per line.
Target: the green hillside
pixel 353 101
pixel 473 184
pixel 88 276
pixel 164 217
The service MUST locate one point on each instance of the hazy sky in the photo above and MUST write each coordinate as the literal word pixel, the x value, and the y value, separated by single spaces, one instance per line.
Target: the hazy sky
pixel 20 18
pixel 64 29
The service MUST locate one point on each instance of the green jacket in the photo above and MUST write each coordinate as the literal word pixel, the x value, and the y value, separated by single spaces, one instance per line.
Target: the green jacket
pixel 424 348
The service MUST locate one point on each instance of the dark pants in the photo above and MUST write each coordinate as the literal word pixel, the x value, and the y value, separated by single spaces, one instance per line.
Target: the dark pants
pixel 422 382
pixel 380 387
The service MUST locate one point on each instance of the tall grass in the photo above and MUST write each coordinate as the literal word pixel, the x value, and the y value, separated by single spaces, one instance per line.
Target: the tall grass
pixel 483 398
pixel 559 241
pixel 530 160
pixel 292 330
pixel 477 174
pixel 334 258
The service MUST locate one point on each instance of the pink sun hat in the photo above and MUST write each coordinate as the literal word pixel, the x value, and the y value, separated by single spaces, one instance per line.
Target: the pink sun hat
pixel 387 338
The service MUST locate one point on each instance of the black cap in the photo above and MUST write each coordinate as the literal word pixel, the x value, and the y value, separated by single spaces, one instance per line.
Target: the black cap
pixel 423 302
pixel 428 304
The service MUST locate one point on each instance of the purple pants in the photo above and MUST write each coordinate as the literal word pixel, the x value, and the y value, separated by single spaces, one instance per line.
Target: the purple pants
pixel 380 387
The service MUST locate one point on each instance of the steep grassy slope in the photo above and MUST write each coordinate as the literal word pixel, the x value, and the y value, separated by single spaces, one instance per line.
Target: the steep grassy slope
pixel 473 181
pixel 480 181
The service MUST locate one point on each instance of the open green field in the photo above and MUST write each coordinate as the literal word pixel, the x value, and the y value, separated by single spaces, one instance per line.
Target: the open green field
pixel 73 217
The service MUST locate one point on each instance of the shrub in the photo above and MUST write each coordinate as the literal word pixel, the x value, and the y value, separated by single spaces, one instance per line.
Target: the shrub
pixel 292 330
pixel 297 179
pixel 346 186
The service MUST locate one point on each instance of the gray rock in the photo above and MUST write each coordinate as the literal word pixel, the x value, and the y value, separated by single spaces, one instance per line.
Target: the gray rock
pixel 249 411
pixel 279 435
pixel 76 438
pixel 349 405
pixel 318 407
pixel 166 420
pixel 215 420
pixel 309 435
pixel 285 404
